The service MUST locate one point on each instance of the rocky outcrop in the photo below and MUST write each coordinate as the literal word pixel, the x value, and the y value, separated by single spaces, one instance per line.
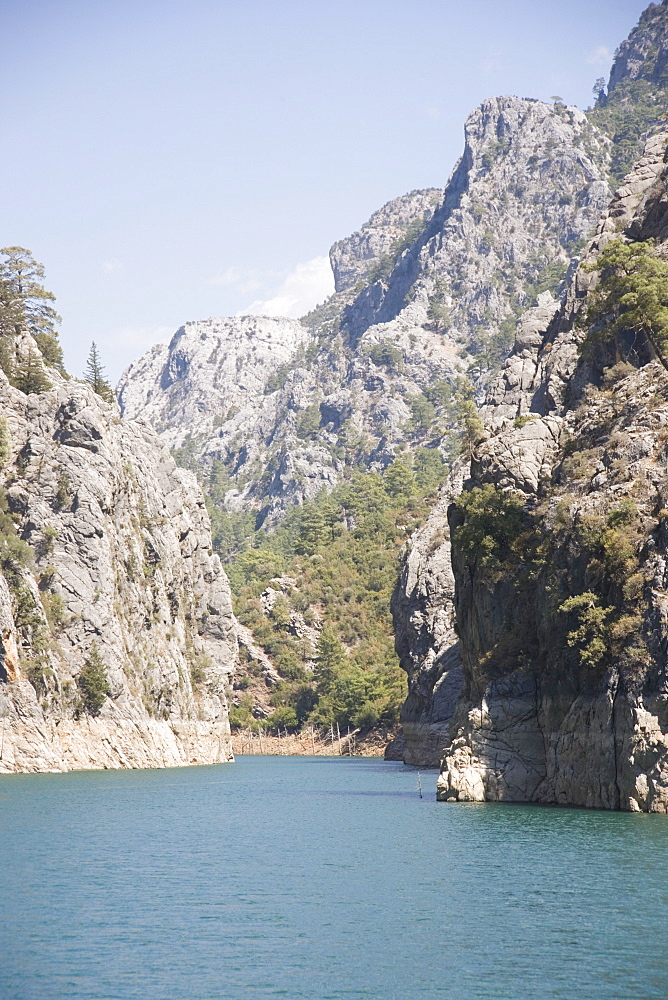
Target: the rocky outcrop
pixel 209 372
pixel 110 560
pixel 644 54
pixel 356 257
pixel 530 185
pixel 425 634
pixel 554 707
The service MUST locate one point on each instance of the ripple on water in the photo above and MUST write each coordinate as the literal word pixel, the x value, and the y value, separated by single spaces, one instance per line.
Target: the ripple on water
pixel 322 879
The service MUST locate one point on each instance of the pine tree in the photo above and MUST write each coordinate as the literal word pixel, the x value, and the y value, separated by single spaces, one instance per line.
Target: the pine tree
pixel 331 659
pixel 5 441
pixel 29 376
pixel 631 295
pixel 95 375
pixel 93 683
pixel 25 305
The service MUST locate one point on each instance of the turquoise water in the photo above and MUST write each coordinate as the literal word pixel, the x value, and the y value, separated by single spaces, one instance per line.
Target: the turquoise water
pixel 320 878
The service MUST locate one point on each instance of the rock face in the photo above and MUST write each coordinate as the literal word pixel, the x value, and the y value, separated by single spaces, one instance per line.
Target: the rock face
pixel 288 408
pixel 210 371
pixel 354 258
pixel 644 54
pixel 555 704
pixel 119 569
pixel 529 186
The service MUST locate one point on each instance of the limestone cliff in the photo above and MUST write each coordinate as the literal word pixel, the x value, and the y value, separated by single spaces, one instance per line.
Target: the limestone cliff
pixel 106 559
pixel 558 564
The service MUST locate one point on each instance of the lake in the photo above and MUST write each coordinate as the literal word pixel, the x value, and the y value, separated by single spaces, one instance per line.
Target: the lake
pixel 322 878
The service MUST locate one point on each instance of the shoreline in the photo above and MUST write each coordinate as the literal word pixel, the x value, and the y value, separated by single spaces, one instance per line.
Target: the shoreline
pixel 311 743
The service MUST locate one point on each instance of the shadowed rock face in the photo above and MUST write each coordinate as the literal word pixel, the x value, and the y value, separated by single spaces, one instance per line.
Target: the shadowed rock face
pixel 533 722
pixel 123 564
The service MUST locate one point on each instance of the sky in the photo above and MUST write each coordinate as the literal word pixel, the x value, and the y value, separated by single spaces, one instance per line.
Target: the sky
pixel 169 161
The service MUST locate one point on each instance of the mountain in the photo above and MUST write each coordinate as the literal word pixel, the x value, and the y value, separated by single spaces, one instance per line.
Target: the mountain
pixel 531 611
pixel 275 414
pixel 553 720
pixel 636 100
pixel 117 635
pixel 319 463
pixel 428 286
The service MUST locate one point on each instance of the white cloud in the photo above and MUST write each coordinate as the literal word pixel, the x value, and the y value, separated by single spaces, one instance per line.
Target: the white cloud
pixel 111 266
pixel 600 56
pixel 303 288
pixel 243 279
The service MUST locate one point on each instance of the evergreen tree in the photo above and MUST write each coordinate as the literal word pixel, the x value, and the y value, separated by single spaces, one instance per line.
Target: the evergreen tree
pixel 399 480
pixel 331 659
pixel 5 441
pixel 470 425
pixel 95 375
pixel 93 683
pixel 631 295
pixel 313 530
pixel 25 305
pixel 29 376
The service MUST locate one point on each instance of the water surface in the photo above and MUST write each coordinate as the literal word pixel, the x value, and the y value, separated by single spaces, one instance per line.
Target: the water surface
pixel 320 878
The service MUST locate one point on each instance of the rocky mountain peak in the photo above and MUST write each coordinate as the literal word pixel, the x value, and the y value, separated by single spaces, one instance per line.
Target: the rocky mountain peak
pixel 288 406
pixel 523 708
pixel 644 54
pixel 528 188
pixel 210 370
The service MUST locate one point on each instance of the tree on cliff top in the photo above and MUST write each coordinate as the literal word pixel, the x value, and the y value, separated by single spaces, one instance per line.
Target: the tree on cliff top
pixel 25 305
pixel 95 375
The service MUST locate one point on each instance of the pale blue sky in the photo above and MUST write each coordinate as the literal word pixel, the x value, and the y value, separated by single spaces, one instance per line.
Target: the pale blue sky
pixel 170 160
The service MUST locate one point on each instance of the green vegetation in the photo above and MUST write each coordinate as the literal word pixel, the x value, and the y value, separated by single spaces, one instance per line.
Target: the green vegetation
pixel 464 412
pixel 200 665
pixel 15 554
pixel 29 376
pixel 308 422
pixel 386 355
pixel 631 109
pixel 490 521
pixel 632 296
pixel 548 279
pixel 438 312
pixel 341 552
pixel 95 375
pixel 5 441
pixel 92 683
pixel 16 561
pixel 490 348
pixel 277 379
pixel 25 307
pixel 590 634
pixel 576 584
pixel 387 262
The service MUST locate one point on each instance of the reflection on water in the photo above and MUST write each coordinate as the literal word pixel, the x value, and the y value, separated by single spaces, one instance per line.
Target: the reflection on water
pixel 320 878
